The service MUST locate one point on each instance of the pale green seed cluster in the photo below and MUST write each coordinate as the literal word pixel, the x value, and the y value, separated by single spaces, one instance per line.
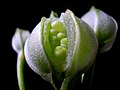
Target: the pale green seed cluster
pixel 59 41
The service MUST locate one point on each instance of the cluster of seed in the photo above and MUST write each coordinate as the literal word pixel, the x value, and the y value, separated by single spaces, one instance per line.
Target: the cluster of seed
pixel 59 39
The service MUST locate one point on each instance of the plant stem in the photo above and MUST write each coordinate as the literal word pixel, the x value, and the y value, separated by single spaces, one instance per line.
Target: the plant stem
pixel 65 84
pixel 52 83
pixel 92 75
pixel 88 77
pixel 20 70
pixel 69 83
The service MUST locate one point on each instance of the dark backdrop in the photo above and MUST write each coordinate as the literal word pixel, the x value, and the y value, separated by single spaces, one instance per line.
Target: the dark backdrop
pixel 26 14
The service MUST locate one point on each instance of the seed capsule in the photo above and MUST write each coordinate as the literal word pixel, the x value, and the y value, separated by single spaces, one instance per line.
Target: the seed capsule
pixel 61 47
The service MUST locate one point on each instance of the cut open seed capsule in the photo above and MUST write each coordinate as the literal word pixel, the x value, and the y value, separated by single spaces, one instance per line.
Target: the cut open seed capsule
pixel 61 45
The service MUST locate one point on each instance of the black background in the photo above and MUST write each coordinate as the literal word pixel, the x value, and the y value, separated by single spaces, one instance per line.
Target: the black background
pixel 26 14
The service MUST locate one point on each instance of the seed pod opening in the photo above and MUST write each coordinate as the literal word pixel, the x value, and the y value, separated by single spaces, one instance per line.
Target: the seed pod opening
pixel 61 45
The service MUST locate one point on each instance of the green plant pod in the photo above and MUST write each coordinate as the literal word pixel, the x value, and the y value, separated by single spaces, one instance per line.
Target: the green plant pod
pixel 65 45
pixel 104 26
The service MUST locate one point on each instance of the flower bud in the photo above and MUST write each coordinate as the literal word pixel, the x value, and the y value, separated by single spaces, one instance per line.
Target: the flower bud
pixel 18 41
pixel 19 38
pixel 104 26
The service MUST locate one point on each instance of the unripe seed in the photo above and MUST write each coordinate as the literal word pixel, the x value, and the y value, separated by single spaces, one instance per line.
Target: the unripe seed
pixel 58 48
pixel 64 41
pixel 60 52
pixel 54 32
pixel 64 45
pixel 55 41
pixel 60 35
pixel 58 26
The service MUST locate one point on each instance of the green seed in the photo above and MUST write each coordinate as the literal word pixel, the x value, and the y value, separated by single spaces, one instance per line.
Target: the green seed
pixel 53 32
pixel 60 52
pixel 55 41
pixel 64 41
pixel 64 45
pixel 58 26
pixel 60 35
pixel 58 48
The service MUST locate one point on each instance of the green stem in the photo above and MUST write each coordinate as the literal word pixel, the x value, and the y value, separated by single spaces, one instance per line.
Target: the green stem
pixel 20 70
pixel 65 84
pixel 92 75
pixel 68 83
pixel 88 78
pixel 52 83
